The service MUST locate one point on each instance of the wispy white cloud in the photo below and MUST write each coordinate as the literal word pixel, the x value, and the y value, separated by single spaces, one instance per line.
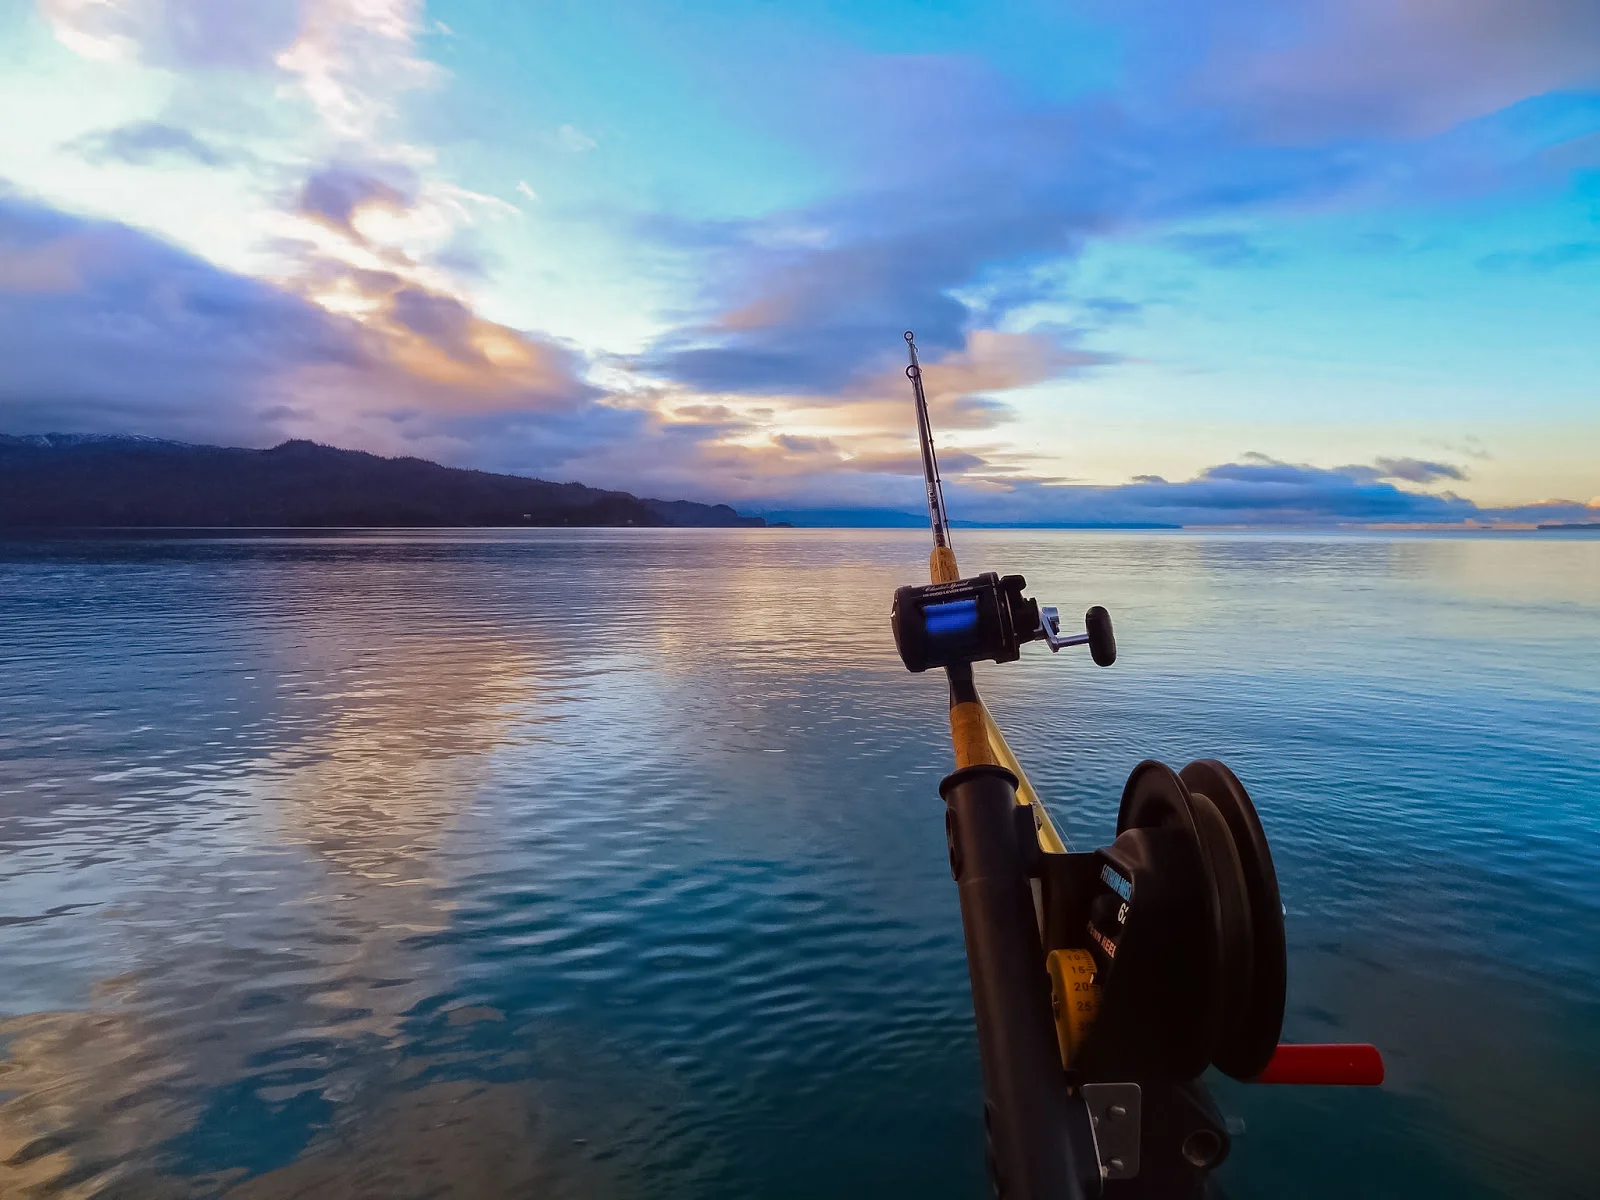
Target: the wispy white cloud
pixel 367 196
pixel 149 142
pixel 573 140
pixel 354 59
pixel 179 34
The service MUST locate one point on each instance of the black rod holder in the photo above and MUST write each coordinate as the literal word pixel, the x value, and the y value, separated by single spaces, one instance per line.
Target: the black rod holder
pixel 1041 1141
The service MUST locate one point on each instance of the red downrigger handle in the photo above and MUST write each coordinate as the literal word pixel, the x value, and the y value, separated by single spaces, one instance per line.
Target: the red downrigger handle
pixel 1353 1065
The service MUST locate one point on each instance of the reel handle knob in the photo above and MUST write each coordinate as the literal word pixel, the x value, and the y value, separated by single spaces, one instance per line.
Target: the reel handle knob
pixel 1102 643
pixel 1097 621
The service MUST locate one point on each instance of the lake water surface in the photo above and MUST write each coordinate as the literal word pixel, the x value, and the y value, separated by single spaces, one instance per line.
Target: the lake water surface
pixel 611 863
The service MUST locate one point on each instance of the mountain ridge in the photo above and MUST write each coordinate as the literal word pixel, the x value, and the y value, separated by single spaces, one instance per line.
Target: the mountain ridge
pixel 57 480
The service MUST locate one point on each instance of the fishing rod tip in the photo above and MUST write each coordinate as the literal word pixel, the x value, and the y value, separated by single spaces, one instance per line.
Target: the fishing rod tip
pixel 910 337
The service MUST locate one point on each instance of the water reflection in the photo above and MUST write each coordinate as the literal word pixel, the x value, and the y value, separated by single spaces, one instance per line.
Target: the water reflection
pixel 281 945
pixel 608 863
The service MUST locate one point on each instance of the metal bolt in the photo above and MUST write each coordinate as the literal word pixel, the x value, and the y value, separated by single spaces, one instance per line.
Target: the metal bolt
pixel 1115 1164
pixel 1116 1112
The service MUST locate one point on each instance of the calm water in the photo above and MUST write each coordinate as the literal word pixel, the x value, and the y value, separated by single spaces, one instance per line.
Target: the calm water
pixel 597 864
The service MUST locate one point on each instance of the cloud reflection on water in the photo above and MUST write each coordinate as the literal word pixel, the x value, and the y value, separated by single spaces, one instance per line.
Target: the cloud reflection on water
pixel 410 860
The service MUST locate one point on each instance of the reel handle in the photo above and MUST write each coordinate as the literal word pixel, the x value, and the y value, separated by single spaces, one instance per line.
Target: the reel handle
pixel 1352 1065
pixel 1097 634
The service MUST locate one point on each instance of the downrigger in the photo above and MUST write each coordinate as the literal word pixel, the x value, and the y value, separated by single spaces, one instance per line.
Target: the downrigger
pixel 1104 983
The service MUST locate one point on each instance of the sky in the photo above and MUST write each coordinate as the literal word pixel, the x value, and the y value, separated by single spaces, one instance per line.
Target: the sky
pixel 1246 261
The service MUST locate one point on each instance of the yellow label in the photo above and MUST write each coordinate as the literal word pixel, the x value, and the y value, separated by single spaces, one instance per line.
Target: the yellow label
pixel 1074 997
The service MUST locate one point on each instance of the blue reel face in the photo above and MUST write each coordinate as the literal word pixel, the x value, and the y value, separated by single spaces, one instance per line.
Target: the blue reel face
pixel 953 619
pixel 962 621
pixel 951 630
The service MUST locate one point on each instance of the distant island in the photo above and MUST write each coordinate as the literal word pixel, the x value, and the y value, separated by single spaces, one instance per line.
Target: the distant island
pixel 1592 526
pixel 56 481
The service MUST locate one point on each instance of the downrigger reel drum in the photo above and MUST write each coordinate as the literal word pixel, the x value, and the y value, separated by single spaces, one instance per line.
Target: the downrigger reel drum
pixel 1185 929
pixel 1104 983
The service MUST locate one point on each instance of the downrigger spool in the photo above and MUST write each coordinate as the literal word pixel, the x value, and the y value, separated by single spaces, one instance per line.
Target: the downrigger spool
pixel 1104 983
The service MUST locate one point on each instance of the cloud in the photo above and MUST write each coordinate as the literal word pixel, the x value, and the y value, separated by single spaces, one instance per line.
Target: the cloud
pixel 1414 470
pixel 710 414
pixel 350 59
pixel 1548 258
pixel 366 336
pixel 239 34
pixel 1309 70
pixel 143 143
pixel 573 140
pixel 856 444
pixel 972 196
pixel 1468 445
pixel 1253 491
pixel 958 384
pixel 126 333
pixel 335 195
pixel 104 328
pixel 970 199
pixel 1224 249
pixel 820 313
pixel 340 70
pixel 353 59
pixel 1112 308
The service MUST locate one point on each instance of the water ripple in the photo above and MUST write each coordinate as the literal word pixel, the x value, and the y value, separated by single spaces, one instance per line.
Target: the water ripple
pixel 611 863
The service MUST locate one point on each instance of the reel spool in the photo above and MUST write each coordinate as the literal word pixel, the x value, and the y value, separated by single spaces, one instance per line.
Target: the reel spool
pixel 1250 1039
pixel 1185 928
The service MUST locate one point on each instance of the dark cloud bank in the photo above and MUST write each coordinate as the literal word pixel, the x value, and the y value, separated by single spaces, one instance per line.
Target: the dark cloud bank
pixel 1261 491
pixel 1255 491
pixel 105 329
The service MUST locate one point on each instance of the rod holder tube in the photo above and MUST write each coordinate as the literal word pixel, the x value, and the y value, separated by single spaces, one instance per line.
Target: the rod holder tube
pixel 1041 1141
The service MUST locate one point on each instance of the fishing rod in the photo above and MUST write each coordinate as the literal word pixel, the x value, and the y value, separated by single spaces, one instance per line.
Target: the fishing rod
pixel 1103 983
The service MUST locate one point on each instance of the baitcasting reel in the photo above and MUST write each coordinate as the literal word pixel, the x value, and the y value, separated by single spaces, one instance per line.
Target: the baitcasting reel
pixel 985 618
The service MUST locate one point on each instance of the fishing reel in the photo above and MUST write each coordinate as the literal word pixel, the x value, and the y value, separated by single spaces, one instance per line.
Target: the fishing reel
pixel 1164 955
pixel 986 618
pixel 1180 923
